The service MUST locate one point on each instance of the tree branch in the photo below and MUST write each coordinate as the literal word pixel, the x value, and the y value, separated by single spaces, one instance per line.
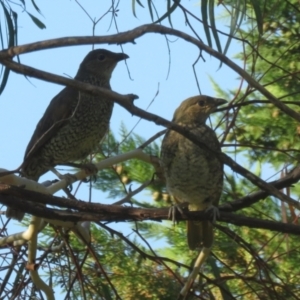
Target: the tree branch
pixel 18 197
pixel 287 181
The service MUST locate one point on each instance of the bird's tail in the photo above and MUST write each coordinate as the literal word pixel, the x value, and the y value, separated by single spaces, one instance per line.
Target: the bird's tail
pixel 200 234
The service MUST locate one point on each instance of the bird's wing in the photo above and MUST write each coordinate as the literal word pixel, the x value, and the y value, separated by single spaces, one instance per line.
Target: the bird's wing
pixel 208 136
pixel 56 116
pixel 169 148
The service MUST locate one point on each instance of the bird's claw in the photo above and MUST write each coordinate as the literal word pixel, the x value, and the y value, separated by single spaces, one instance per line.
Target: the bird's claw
pixel 92 170
pixel 215 212
pixel 69 178
pixel 89 168
pixel 172 212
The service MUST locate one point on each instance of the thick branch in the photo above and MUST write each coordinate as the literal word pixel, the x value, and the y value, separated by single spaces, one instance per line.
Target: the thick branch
pixel 18 197
pixel 79 85
pixel 286 181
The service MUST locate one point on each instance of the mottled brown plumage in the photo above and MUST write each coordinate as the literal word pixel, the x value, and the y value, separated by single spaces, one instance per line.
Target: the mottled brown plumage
pixel 74 122
pixel 193 174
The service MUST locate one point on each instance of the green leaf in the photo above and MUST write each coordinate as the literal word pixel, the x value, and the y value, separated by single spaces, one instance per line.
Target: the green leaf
pixel 170 10
pixel 213 25
pixel 10 26
pixel 4 80
pixel 237 13
pixel 205 22
pixel 140 3
pixel 150 9
pixel 36 7
pixel 15 18
pixel 37 22
pixel 11 43
pixel 258 15
pixel 1 37
pixel 133 6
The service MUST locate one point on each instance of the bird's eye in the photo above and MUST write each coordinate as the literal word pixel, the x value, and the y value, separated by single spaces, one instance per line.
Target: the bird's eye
pixel 101 57
pixel 201 103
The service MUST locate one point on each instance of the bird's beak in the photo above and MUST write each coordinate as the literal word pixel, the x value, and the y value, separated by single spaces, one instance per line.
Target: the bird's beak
pixel 121 56
pixel 219 101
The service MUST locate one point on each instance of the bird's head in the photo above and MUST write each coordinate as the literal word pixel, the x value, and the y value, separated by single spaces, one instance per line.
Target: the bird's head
pixel 196 109
pixel 100 63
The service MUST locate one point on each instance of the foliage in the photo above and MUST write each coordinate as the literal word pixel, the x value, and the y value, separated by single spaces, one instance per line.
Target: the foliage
pixel 9 29
pixel 150 260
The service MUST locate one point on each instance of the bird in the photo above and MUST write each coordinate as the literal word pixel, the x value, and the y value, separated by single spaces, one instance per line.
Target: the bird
pixel 194 174
pixel 74 123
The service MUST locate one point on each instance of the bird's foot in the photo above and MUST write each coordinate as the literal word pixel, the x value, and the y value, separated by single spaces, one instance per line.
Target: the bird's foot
pixel 69 178
pixel 215 212
pixel 172 213
pixel 173 210
pixel 89 168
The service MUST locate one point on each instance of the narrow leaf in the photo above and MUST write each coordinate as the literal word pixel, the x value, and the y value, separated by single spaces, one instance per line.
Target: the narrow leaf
pixel 150 9
pixel 168 13
pixel 139 2
pixel 133 8
pixel 36 7
pixel 1 37
pixel 258 15
pixel 37 22
pixel 10 26
pixel 169 10
pixel 213 25
pixel 4 80
pixel 205 22
pixel 15 18
pixel 237 13
pixel 11 39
